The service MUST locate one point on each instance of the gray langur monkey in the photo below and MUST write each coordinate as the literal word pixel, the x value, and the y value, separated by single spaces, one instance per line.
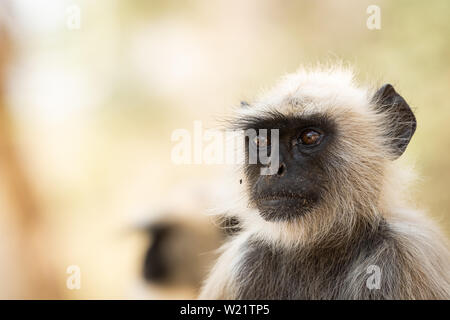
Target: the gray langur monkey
pixel 333 222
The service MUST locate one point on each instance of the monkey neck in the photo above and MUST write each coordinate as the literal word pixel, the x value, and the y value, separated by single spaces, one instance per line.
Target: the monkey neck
pixel 320 229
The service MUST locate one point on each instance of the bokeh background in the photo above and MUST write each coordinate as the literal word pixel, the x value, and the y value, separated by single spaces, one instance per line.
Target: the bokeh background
pixel 86 115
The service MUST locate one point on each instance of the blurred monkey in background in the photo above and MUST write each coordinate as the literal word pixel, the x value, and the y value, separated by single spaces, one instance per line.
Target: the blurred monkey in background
pixel 181 241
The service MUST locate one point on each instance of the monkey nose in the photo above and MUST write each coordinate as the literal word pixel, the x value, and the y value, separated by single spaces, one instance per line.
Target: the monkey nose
pixel 281 170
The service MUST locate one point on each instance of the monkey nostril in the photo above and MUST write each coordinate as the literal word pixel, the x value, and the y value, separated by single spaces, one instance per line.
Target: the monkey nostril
pixel 281 170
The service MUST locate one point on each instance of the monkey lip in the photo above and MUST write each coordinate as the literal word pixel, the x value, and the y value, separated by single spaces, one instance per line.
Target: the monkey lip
pixel 279 196
pixel 284 206
pixel 274 200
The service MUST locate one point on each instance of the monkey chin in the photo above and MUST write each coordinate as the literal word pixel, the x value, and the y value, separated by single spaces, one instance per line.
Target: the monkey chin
pixel 284 209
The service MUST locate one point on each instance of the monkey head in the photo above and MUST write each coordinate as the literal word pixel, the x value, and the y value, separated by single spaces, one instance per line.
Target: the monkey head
pixel 334 139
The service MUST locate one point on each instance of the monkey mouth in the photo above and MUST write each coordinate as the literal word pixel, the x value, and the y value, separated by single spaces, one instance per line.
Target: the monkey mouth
pixel 277 198
pixel 269 197
pixel 298 201
pixel 276 207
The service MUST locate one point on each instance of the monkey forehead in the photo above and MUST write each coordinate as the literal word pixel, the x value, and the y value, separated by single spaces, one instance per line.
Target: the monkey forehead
pixel 312 91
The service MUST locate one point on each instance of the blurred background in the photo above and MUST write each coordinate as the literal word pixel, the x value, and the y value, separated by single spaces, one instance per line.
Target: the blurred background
pixel 88 106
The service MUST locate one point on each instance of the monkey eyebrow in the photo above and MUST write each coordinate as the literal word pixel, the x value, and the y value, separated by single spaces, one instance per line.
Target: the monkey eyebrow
pixel 266 120
pixel 277 120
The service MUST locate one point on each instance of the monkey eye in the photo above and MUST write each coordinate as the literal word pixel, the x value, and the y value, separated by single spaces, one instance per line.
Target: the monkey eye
pixel 310 137
pixel 261 141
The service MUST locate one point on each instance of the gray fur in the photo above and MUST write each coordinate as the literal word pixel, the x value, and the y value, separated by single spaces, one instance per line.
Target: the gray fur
pixel 361 218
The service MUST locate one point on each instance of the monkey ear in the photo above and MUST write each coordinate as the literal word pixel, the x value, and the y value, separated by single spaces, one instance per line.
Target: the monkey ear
pixel 402 122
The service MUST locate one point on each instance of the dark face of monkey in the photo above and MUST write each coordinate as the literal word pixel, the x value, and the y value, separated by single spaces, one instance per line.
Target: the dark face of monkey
pixel 310 155
pixel 296 187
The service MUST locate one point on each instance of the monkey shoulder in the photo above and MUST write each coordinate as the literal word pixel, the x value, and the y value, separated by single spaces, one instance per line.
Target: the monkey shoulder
pixel 401 260
pixel 422 260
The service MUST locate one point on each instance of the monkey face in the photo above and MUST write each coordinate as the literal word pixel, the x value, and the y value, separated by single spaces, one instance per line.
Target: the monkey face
pixel 329 154
pixel 297 186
